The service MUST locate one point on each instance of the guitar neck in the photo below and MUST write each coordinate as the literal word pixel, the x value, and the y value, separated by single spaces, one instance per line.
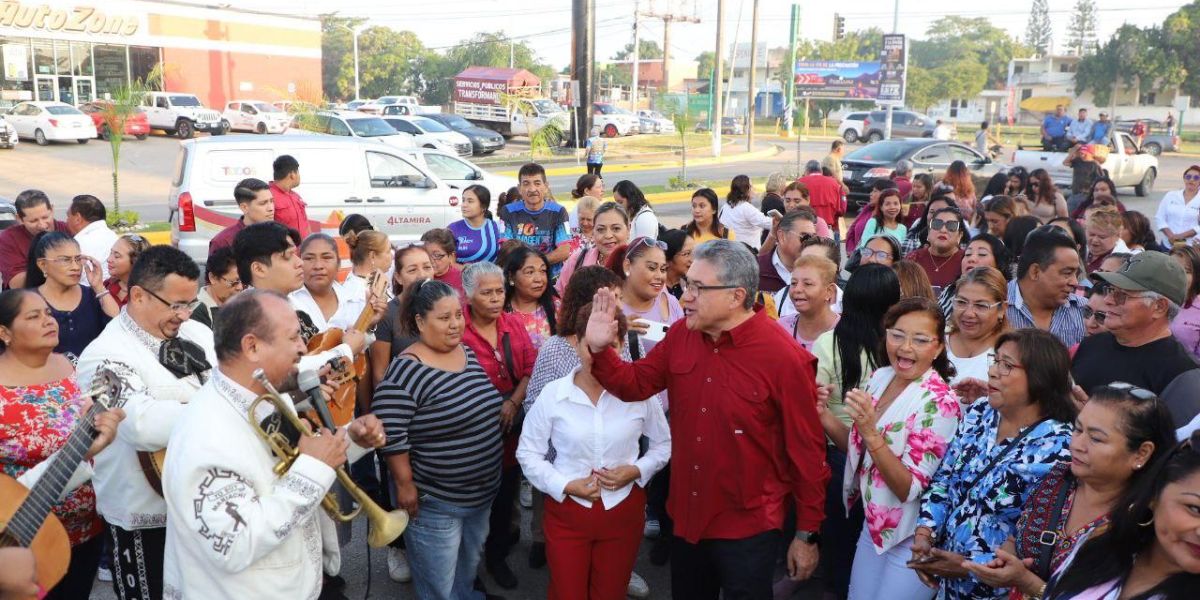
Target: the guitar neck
pixel 45 493
pixel 364 318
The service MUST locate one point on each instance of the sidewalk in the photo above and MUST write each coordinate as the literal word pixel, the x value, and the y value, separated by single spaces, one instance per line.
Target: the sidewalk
pixel 730 158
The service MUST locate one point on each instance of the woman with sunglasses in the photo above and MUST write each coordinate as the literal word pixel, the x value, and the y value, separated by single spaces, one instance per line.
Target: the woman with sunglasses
pixel 642 266
pixel 1186 325
pixel 1179 210
pixel 54 269
pixel 1093 313
pixel 918 231
pixel 120 264
pixel 812 293
pixel 977 320
pixel 610 230
pixel 1045 201
pixel 984 250
pixel 1005 446
pixel 942 258
pixel 1150 547
pixel 1119 433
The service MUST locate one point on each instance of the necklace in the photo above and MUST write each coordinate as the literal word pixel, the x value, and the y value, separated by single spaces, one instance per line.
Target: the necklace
pixel 937 267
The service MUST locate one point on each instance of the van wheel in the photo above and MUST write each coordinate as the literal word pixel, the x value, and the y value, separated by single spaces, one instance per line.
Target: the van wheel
pixel 39 136
pixel 1147 184
pixel 142 137
pixel 260 129
pixel 83 141
pixel 874 136
pixel 850 136
pixel 105 133
pixel 184 129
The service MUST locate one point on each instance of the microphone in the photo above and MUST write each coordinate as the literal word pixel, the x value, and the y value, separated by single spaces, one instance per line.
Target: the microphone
pixel 310 384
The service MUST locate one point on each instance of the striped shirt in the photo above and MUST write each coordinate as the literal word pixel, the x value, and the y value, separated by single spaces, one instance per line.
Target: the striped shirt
pixel 449 424
pixel 1066 323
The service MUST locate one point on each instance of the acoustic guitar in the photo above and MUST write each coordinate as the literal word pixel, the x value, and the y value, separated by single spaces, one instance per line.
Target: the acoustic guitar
pixel 25 514
pixel 341 405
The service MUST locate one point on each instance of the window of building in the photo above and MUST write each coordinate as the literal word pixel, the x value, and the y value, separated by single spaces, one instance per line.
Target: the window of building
pixel 81 59
pixel 112 68
pixel 142 60
pixel 43 57
pixel 1026 93
pixel 1148 99
pixel 16 79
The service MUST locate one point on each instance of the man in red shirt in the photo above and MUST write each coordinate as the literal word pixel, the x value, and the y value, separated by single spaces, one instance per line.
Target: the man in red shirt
pixel 254 198
pixel 825 195
pixel 745 432
pixel 36 215
pixel 290 209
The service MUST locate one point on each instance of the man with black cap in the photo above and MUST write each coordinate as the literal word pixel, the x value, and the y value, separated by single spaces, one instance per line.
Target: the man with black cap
pixel 1141 299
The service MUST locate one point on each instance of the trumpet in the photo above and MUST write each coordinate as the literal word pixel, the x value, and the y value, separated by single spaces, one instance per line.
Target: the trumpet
pixel 384 526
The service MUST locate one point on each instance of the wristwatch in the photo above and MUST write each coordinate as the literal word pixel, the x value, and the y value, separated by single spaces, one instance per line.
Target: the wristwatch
pixel 809 537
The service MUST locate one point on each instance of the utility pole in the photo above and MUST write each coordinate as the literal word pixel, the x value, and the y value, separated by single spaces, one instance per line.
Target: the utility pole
pixel 354 33
pixel 583 53
pixel 715 87
pixel 637 58
pixel 750 84
pixel 667 19
pixel 791 70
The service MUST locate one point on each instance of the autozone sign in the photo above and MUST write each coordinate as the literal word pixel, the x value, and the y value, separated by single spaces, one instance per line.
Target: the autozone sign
pixel 79 19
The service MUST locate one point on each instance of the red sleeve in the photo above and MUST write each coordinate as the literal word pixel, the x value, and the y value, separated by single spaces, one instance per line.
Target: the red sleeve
pixel 633 382
pixel 12 260
pixel 804 440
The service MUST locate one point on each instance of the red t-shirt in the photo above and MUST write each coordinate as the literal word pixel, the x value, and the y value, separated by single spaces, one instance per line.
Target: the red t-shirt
pixel 290 209
pixel 15 245
pixel 825 195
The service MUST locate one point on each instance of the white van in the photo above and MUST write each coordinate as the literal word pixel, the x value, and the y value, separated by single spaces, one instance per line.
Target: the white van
pixel 337 175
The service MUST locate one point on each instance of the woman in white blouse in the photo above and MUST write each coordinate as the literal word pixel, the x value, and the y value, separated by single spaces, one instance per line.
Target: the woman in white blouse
pixel 1179 210
pixel 595 498
pixel 740 215
pixel 642 220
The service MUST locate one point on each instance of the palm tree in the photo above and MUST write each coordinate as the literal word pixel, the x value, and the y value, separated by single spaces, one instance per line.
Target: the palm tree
pixel 123 104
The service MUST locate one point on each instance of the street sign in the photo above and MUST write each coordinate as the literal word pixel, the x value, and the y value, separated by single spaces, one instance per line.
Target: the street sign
pixel 1182 103
pixel 893 72
pixel 837 80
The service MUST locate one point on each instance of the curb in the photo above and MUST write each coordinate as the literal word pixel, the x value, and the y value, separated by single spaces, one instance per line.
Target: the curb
pixel 621 168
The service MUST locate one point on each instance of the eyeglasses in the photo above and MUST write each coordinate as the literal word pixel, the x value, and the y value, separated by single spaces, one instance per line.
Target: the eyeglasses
pixel 438 255
pixel 645 241
pixel 963 304
pixel 1003 367
pixel 899 338
pixel 1119 296
pixel 1090 313
pixel 63 261
pixel 951 225
pixel 693 288
pixel 1191 177
pixel 176 307
pixel 878 255
pixel 236 283
pixel 1133 390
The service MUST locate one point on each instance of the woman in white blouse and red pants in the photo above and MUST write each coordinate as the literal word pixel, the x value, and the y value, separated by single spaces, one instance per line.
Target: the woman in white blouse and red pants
pixel 595 498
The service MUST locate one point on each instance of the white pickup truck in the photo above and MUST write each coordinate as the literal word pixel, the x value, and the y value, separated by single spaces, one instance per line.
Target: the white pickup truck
pixel 1127 165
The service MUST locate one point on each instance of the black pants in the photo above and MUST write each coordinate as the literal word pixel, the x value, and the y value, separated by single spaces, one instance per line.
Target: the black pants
pixel 594 169
pixel 137 562
pixel 499 538
pixel 732 569
pixel 839 532
pixel 81 573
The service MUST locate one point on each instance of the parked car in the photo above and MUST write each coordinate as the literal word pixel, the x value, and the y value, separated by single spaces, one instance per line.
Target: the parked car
pixel 483 140
pixel 1126 125
pixel 1127 165
pixel 459 172
pixel 136 124
pixel 8 134
pixel 851 128
pixel 255 115
pixel 8 214
pixel 613 120
pixel 341 174
pixel 414 107
pixel 47 121
pixel 729 126
pixel 905 124
pixel 652 121
pixel 431 134
pixel 348 123
pixel 1157 143
pixel 863 166
pixel 181 115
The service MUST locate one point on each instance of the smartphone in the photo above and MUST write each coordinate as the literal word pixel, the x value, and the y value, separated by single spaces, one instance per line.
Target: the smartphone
pixel 655 331
pixel 921 561
pixel 774 214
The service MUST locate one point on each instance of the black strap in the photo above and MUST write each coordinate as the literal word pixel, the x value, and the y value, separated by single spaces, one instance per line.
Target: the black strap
pixel 635 351
pixel 1049 543
pixel 583 255
pixel 996 459
pixel 508 358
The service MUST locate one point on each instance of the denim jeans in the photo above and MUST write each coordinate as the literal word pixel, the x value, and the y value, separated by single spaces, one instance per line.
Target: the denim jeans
pixel 445 543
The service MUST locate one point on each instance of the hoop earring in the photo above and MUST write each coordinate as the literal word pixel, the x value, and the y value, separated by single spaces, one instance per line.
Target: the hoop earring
pixel 1146 523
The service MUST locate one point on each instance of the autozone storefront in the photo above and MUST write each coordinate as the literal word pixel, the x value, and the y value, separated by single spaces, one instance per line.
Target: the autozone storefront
pixel 75 52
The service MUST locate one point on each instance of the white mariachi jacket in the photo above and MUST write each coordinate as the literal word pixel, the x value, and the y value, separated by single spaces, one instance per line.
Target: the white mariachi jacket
pixel 234 529
pixel 156 398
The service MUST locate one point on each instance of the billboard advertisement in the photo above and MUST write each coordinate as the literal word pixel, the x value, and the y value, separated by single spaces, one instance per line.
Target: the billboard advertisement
pixel 837 80
pixel 892 76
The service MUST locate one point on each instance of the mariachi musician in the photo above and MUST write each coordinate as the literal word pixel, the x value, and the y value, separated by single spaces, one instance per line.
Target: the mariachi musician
pixel 236 528
pixel 164 357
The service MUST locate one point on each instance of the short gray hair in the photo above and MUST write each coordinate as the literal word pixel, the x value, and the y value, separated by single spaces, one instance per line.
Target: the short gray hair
pixel 812 166
pixel 476 271
pixel 903 167
pixel 775 182
pixel 734 263
pixel 1173 309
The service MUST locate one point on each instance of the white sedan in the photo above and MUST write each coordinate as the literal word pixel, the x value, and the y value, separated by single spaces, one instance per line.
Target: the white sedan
pixel 431 134
pixel 255 115
pixel 46 121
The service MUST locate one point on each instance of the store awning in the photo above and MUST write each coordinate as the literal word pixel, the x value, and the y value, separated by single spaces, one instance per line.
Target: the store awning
pixel 1044 103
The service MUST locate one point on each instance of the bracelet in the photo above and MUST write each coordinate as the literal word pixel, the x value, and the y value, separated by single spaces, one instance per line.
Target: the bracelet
pixel 103 294
pixel 877 448
pixel 1041 593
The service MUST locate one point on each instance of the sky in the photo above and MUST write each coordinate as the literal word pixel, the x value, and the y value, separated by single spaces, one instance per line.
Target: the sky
pixel 545 24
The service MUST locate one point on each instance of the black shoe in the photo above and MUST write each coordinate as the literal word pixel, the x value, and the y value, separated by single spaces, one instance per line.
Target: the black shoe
pixel 333 588
pixel 503 575
pixel 537 555
pixel 660 552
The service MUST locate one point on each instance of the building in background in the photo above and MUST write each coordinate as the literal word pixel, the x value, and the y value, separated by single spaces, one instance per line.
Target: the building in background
pixel 75 52
pixel 770 95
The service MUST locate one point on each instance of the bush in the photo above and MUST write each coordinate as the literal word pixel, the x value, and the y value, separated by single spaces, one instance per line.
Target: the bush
pixel 122 219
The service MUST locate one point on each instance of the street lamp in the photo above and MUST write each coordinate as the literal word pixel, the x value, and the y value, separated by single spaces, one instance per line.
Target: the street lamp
pixel 354 32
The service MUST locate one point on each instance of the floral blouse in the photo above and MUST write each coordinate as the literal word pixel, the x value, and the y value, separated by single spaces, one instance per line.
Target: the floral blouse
pixel 975 522
pixel 917 427
pixel 537 324
pixel 35 422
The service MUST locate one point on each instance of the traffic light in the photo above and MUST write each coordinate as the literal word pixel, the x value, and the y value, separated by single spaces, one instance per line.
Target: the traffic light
pixel 839 27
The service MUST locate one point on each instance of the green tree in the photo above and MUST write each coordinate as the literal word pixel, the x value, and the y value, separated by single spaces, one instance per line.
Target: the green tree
pixel 123 104
pixel 1039 33
pixel 955 40
pixel 647 50
pixel 1180 32
pixel 1081 32
pixel 1134 59
pixel 485 49
pixel 920 93
pixel 705 63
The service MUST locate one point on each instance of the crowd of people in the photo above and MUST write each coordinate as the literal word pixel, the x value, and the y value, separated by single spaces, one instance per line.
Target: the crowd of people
pixel 958 394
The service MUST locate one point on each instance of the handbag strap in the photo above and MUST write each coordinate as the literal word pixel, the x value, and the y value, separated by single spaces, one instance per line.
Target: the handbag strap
pixel 635 351
pixel 996 459
pixel 508 357
pixel 1050 536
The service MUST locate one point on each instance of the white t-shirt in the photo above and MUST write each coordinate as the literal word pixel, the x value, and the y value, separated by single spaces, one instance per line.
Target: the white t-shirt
pixel 975 367
pixel 644 224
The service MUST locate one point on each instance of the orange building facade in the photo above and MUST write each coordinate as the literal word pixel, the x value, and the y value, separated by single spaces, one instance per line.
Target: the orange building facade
pixel 75 52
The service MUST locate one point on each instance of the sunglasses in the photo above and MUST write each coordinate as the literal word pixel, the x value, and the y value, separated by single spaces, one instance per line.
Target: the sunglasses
pixel 951 225
pixel 645 241
pixel 1090 313
pixel 1191 177
pixel 1133 390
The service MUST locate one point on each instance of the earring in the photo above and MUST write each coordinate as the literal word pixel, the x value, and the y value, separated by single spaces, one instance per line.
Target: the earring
pixel 1147 522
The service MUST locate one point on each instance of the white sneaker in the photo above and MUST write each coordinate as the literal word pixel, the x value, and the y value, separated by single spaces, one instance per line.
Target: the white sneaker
pixel 526 494
pixel 104 574
pixel 652 528
pixel 638 588
pixel 398 566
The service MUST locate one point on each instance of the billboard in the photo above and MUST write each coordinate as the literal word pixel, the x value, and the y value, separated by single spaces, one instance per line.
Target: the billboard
pixel 893 72
pixel 838 80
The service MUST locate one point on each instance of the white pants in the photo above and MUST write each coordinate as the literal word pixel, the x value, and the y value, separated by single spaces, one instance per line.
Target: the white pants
pixel 885 576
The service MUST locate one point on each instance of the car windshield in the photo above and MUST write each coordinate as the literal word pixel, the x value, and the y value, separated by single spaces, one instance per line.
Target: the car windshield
pixel 374 127
pixel 429 125
pixel 63 110
pixel 728 121
pixel 388 100
pixel 880 152
pixel 185 101
pixel 546 107
pixel 267 108
pixel 654 114
pixel 457 122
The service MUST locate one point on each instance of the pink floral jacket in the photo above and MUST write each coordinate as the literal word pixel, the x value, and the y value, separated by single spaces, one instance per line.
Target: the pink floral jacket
pixel 917 427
